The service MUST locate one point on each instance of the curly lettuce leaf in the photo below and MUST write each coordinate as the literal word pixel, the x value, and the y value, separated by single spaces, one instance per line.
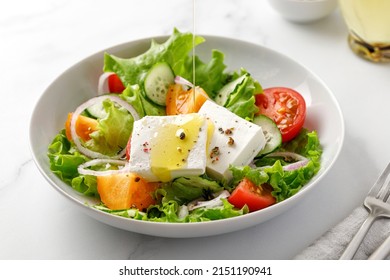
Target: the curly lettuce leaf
pixel 306 144
pixel 256 175
pixel 126 213
pixel 169 212
pixel 113 131
pixel 241 99
pixel 217 213
pixel 209 76
pixel 174 51
pixel 133 95
pixel 64 161
pixel 186 189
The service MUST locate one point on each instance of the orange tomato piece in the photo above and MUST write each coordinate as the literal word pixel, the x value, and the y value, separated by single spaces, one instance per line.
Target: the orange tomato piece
pixel 125 191
pixel 84 126
pixel 180 101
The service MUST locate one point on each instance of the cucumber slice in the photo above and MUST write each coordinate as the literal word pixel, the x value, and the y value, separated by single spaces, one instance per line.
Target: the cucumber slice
pixel 271 132
pixel 97 111
pixel 224 93
pixel 157 81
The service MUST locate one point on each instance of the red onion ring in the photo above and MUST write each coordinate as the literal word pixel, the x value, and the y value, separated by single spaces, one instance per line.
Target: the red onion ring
pixel 300 160
pixel 295 165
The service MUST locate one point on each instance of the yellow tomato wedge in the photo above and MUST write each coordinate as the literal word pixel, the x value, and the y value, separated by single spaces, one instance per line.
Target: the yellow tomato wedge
pixel 180 101
pixel 84 126
pixel 126 190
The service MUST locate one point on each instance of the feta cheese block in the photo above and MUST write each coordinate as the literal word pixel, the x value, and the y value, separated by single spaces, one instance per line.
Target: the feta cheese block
pixel 166 147
pixel 234 140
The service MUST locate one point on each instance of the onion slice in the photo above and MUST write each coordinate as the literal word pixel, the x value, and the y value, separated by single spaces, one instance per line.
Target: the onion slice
pixel 215 202
pixel 300 161
pixel 181 81
pixel 183 212
pixel 103 83
pixel 287 155
pixel 85 105
pixel 82 168
pixel 295 165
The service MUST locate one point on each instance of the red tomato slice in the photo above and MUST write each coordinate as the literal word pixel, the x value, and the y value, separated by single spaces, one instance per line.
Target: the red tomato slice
pixel 115 85
pixel 286 107
pixel 255 197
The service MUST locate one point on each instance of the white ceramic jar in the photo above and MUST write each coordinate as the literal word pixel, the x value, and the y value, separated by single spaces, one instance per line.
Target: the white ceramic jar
pixel 304 11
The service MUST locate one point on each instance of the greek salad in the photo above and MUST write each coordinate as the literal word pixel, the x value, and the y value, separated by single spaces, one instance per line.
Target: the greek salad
pixel 173 138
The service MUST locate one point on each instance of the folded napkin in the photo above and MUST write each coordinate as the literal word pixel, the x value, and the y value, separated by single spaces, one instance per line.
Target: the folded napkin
pixel 332 244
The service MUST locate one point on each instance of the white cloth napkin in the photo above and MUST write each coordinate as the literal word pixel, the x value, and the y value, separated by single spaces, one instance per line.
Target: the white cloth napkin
pixel 332 244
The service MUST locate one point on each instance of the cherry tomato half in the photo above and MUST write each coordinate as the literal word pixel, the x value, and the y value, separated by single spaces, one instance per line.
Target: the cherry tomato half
pixel 115 85
pixel 286 107
pixel 255 197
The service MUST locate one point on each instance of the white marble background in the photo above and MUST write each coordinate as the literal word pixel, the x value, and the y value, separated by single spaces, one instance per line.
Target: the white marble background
pixel 40 39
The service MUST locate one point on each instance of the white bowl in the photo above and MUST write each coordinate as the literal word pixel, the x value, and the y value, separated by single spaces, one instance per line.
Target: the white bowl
pixel 304 10
pixel 79 83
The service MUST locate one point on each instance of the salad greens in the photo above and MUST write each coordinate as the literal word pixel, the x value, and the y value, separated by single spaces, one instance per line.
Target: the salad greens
pixel 113 131
pixel 270 169
pixel 209 76
pixel 241 100
pixel 116 127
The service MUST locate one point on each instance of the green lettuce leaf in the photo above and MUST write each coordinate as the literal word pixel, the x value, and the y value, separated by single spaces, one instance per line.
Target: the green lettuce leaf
pixel 210 214
pixel 307 144
pixel 174 51
pixel 256 175
pixel 64 161
pixel 209 76
pixel 241 100
pixel 166 212
pixel 85 184
pixel 169 212
pixel 133 95
pixel 113 131
pixel 127 213
pixel 186 189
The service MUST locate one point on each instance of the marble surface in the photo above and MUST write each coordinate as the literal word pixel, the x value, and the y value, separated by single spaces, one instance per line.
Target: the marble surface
pixel 41 39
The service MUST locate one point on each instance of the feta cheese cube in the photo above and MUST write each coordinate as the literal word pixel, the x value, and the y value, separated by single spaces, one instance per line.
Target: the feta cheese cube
pixel 166 147
pixel 234 140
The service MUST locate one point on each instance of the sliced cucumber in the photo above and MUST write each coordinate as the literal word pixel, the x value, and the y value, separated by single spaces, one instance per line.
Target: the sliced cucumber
pixel 224 93
pixel 157 81
pixel 97 111
pixel 271 132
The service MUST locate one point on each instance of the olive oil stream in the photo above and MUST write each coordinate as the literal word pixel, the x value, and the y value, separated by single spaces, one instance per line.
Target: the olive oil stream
pixel 173 156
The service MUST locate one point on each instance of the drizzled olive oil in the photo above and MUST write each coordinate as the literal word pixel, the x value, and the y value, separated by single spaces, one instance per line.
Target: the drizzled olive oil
pixel 171 145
